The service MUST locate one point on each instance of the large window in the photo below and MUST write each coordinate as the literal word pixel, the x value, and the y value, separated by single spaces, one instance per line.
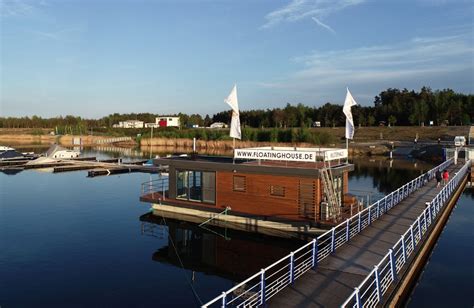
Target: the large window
pixel 197 186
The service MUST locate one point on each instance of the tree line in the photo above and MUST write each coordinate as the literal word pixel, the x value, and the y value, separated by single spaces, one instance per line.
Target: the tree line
pixel 390 107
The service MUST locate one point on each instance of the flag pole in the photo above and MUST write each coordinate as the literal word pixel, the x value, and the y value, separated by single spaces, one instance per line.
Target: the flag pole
pixel 347 148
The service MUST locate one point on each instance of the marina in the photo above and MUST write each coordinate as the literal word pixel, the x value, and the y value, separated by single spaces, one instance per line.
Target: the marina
pixel 168 228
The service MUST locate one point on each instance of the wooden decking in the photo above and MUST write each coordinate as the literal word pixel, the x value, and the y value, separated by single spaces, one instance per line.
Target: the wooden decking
pixel 337 275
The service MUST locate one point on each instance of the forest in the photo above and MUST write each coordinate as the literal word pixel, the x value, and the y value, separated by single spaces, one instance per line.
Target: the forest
pixel 394 107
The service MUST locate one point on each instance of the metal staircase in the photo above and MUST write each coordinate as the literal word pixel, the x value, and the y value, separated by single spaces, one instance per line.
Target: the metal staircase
pixel 334 209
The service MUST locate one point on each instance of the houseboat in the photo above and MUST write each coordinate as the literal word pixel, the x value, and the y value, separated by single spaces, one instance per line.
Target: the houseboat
pixel 286 188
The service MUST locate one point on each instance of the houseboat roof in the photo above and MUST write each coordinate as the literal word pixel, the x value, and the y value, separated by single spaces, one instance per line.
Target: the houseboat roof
pixel 306 162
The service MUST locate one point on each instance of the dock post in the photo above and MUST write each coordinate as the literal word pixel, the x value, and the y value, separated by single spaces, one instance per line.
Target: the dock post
pixel 347 230
pixel 315 253
pixel 224 303
pixel 262 287
pixel 369 218
pixel 377 282
pixel 292 267
pixel 412 238
pixel 393 267
pixel 333 244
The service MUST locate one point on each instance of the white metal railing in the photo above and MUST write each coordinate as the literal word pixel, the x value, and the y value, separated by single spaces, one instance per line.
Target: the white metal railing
pixel 257 289
pixel 155 188
pixel 370 292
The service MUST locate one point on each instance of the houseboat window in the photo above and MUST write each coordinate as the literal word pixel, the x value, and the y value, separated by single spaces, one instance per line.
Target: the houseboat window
pixel 197 186
pixel 209 187
pixel 182 186
pixel 277 190
pixel 240 183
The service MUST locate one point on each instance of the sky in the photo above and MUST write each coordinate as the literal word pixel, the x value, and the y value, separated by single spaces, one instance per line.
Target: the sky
pixel 93 58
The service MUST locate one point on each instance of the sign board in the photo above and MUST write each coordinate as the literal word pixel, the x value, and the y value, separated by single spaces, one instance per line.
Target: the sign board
pixel 335 154
pixel 301 156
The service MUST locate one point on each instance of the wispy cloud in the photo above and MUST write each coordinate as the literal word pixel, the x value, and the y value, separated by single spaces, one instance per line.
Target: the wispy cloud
pixel 323 25
pixel 64 34
pixel 300 9
pixel 421 59
pixel 19 8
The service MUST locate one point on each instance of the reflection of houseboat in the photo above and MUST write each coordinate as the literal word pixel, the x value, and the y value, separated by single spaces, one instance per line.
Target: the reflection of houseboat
pixel 284 188
pixel 227 253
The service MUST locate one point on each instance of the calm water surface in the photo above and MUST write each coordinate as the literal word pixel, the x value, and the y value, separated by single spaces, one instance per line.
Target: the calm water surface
pixel 67 240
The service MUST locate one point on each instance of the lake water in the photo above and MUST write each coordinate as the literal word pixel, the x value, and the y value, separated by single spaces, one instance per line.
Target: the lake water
pixel 68 240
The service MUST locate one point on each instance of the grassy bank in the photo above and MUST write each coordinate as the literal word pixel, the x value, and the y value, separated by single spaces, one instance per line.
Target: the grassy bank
pixel 215 138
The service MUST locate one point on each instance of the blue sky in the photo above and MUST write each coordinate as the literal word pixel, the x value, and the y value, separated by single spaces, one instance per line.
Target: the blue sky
pixel 92 58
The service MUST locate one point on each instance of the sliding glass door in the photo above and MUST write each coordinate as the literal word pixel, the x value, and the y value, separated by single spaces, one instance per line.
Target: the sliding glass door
pixel 196 186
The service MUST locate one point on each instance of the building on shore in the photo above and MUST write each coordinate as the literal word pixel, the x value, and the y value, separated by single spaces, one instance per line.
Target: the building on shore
pixel 168 121
pixel 129 124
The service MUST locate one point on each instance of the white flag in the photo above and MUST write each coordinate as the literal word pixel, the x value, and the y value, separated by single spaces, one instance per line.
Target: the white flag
pixel 232 101
pixel 348 103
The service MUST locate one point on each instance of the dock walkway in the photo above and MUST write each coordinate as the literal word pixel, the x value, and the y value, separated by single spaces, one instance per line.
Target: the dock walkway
pixel 335 277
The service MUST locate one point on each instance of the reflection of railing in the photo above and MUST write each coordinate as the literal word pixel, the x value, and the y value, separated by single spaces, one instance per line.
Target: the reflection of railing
pixel 255 290
pixel 369 293
pixel 155 189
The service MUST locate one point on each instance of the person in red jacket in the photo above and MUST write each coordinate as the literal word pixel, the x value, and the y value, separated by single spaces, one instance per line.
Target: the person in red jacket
pixel 445 177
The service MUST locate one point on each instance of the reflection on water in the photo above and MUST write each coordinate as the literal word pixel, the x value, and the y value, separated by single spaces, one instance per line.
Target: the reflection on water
pixel 372 179
pixel 227 253
pixel 448 278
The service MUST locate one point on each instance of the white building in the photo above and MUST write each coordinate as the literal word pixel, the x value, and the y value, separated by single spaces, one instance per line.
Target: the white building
pixel 130 124
pixel 168 121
